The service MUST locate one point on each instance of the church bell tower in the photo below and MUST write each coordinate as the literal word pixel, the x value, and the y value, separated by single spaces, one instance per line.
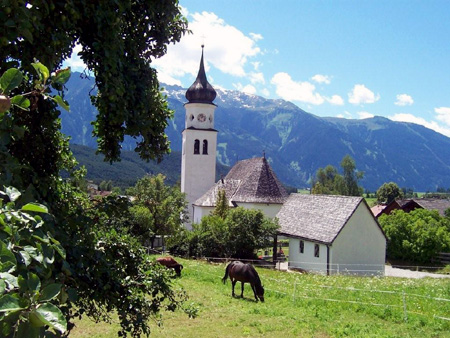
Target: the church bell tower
pixel 198 160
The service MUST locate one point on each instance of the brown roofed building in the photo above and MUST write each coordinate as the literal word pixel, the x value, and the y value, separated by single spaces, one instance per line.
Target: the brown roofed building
pixel 408 205
pixel 251 184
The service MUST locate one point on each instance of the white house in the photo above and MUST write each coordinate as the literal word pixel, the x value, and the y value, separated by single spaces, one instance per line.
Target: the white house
pixel 250 184
pixel 332 235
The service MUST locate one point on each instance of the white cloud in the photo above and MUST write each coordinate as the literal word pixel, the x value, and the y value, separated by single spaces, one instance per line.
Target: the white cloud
pixel 257 78
pixel 167 79
pixel 418 120
pixel 404 100
pixel 265 92
pixel 336 100
pixel 345 115
pixel 361 94
pixel 256 37
pixel 249 89
pixel 364 115
pixel 291 90
pixel 256 65
pixel 443 114
pixel 75 62
pixel 321 78
pixel 226 48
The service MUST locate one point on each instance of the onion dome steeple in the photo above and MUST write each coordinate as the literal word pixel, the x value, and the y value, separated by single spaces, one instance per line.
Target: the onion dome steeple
pixel 201 90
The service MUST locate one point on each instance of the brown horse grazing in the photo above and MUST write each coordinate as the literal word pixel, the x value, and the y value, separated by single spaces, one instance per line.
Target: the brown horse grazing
pixel 244 273
pixel 170 263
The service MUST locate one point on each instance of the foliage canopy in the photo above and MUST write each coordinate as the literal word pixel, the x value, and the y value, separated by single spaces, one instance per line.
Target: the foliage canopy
pixel 389 192
pixel 328 181
pixel 158 209
pixel 238 235
pixel 106 268
pixel 417 236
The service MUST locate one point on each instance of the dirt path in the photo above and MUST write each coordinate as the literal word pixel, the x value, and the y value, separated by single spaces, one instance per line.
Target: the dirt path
pixel 405 273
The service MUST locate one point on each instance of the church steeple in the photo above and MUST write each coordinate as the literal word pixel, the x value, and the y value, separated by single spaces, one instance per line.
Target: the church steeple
pixel 201 90
pixel 199 148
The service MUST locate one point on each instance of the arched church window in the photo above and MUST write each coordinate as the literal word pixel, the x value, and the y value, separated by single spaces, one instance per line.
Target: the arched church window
pixel 196 147
pixel 205 147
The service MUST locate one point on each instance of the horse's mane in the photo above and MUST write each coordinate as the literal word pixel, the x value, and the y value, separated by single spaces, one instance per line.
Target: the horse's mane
pixel 258 280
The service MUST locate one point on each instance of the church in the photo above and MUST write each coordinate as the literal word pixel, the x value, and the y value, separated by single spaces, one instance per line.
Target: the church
pixel 251 183
pixel 327 234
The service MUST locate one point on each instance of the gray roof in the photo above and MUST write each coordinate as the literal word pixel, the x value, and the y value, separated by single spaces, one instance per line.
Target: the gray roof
pixel 317 218
pixel 434 204
pixel 249 181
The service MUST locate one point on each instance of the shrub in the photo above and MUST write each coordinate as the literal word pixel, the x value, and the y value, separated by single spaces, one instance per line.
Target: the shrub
pixel 416 236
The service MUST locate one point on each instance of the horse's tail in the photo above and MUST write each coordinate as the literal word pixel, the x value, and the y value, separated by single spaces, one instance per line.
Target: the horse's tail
pixel 227 269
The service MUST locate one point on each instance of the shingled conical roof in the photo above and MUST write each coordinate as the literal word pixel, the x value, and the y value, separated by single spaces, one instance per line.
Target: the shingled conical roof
pixel 249 181
pixel 201 91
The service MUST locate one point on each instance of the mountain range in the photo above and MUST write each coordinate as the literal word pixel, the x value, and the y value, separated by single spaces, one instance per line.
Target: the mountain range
pixel 295 142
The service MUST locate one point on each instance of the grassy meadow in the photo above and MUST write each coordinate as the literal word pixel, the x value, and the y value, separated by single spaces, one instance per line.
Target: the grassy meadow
pixel 299 305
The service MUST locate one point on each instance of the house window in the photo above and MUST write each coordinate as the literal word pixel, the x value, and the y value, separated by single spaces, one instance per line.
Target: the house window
pixel 302 247
pixel 205 147
pixel 196 147
pixel 316 250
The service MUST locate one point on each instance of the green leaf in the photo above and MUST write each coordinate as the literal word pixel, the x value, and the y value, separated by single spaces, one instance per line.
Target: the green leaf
pixel 42 71
pixel 36 207
pixel 52 316
pixel 2 286
pixel 10 80
pixel 10 303
pixel 33 282
pixel 59 249
pixel 39 238
pixel 7 258
pixel 10 280
pixel 49 253
pixel 27 330
pixel 61 76
pixel 26 34
pixel 34 253
pixel 20 101
pixel 59 100
pixel 12 193
pixel 50 292
pixel 26 257
pixel 73 295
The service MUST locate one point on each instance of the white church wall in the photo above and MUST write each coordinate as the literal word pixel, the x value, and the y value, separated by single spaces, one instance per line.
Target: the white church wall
pixel 200 212
pixel 269 210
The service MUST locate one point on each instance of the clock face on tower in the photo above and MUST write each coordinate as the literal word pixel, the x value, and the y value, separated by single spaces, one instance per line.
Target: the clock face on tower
pixel 201 117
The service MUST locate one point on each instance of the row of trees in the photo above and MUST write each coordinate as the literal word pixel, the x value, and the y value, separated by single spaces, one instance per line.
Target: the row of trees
pixel 328 181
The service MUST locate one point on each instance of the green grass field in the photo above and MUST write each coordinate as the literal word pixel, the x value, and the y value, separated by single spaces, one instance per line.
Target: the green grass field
pixel 301 306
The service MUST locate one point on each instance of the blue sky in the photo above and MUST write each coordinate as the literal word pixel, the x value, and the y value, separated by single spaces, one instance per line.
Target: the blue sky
pixel 349 59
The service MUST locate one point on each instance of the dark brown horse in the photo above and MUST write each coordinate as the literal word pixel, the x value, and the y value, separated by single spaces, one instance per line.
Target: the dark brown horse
pixel 170 263
pixel 244 273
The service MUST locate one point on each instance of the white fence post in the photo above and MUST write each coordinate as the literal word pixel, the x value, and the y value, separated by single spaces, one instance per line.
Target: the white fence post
pixel 293 294
pixel 404 307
